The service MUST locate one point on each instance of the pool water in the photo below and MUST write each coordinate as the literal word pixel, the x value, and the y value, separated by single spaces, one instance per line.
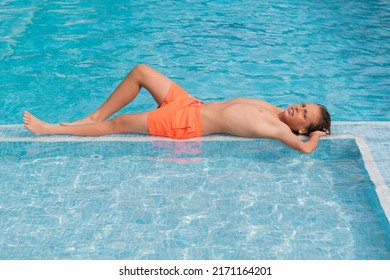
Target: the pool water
pixel 159 199
pixel 188 200
pixel 62 59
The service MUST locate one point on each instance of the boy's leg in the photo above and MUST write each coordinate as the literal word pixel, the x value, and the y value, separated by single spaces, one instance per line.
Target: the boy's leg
pixel 141 76
pixel 129 123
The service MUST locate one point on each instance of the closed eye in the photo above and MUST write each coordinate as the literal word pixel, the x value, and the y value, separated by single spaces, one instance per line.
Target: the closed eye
pixel 305 111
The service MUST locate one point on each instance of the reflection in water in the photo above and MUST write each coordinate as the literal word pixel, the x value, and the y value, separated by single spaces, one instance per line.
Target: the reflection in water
pixel 177 151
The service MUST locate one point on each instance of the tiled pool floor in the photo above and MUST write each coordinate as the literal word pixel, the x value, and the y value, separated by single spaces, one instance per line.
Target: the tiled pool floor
pixel 372 138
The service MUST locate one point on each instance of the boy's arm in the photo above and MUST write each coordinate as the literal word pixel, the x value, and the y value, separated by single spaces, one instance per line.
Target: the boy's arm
pixel 290 139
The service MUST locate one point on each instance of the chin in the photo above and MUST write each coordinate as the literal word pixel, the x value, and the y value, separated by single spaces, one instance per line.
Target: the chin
pixel 285 117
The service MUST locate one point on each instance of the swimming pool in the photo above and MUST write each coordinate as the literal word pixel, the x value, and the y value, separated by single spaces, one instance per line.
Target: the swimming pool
pixel 198 199
pixel 137 197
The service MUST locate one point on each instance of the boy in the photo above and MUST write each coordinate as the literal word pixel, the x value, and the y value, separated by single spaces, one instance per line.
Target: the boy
pixel 181 116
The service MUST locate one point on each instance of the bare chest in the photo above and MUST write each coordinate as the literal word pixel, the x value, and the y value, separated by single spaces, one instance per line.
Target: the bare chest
pixel 242 119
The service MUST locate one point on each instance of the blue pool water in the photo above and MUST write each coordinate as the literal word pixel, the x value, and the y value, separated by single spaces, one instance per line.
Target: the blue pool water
pixel 196 199
pixel 62 59
pixel 188 200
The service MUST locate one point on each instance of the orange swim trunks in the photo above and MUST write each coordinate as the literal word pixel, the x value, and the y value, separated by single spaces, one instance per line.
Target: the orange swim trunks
pixel 178 116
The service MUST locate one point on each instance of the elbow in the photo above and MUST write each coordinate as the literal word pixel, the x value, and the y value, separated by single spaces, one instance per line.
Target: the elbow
pixel 306 149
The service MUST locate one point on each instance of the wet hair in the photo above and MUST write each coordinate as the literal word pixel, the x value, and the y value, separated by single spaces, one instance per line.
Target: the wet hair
pixel 323 124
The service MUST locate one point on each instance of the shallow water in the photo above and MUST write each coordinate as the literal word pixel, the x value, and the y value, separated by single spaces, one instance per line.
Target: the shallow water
pixel 187 200
pixel 191 200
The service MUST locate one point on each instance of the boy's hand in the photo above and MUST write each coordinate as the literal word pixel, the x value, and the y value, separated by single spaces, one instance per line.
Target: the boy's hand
pixel 319 133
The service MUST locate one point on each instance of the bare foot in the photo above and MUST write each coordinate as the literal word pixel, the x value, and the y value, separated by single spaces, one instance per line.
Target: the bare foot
pixel 86 120
pixel 35 125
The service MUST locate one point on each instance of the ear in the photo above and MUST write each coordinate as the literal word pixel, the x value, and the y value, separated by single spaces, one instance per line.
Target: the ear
pixel 302 131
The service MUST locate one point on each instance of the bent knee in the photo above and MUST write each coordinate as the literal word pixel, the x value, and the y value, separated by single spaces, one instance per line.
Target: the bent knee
pixel 140 70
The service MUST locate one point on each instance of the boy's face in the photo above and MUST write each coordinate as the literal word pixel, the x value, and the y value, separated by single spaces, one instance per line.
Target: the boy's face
pixel 300 116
